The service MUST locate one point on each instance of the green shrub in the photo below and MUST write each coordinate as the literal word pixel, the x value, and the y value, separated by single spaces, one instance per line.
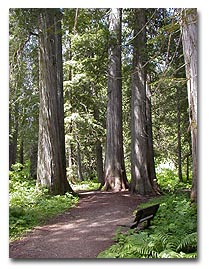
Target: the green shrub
pixel 28 205
pixel 168 181
pixel 86 185
pixel 173 233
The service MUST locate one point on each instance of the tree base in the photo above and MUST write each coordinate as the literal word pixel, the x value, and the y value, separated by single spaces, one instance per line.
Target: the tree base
pixel 116 184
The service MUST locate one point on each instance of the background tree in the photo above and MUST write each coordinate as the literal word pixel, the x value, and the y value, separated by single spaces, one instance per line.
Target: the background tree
pixel 84 89
pixel 115 174
pixel 140 181
pixel 23 86
pixel 150 147
pixel 51 168
pixel 168 88
pixel 85 39
pixel 189 40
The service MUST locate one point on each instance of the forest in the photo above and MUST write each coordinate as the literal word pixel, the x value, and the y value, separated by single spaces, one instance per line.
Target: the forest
pixel 105 101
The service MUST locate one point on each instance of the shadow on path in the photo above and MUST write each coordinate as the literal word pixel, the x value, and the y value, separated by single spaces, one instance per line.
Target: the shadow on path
pixel 81 232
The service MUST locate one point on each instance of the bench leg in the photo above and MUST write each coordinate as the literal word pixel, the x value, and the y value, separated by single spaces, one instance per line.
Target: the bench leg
pixel 148 223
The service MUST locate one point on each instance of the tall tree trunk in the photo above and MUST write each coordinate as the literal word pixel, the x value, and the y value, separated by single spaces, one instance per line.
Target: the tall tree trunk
pixel 189 40
pixel 140 182
pixel 21 154
pixel 99 163
pixel 13 134
pixel 33 160
pixel 150 148
pixel 115 174
pixel 70 162
pixel 79 166
pixel 187 168
pixel 179 135
pixel 51 168
pixel 98 145
pixel 70 128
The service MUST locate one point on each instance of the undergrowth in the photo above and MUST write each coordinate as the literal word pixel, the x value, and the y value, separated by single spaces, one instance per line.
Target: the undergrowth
pixel 30 206
pixel 172 234
pixel 168 180
pixel 86 185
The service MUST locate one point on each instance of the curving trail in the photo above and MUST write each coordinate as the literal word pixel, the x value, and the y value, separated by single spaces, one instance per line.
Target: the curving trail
pixel 81 232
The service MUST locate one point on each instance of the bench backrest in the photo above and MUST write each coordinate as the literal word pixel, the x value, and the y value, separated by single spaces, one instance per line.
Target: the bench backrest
pixel 146 213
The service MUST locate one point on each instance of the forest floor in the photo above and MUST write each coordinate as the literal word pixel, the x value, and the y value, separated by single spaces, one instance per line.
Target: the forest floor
pixel 83 231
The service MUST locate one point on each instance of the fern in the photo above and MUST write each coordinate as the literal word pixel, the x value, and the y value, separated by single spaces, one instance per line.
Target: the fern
pixel 168 253
pixel 168 241
pixel 145 252
pixel 188 243
pixel 190 255
pixel 169 236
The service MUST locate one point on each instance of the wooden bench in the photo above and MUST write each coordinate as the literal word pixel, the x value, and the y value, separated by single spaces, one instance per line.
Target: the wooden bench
pixel 145 214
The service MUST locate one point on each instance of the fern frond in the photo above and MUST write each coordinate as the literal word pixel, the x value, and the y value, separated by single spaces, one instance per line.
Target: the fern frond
pixel 168 253
pixel 146 252
pixel 188 243
pixel 191 255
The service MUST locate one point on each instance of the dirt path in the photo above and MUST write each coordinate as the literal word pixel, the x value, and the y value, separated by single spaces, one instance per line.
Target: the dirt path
pixel 81 232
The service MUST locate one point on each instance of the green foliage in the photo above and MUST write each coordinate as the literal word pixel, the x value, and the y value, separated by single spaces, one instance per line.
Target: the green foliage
pixel 168 181
pixel 173 233
pixel 85 80
pixel 85 39
pixel 86 185
pixel 23 79
pixel 30 206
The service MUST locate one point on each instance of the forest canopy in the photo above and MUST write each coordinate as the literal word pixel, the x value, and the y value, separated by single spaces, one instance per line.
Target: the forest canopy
pixel 102 94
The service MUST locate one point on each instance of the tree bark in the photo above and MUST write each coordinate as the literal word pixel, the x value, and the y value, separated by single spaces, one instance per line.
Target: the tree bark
pixel 99 163
pixel 140 182
pixel 179 135
pixel 13 135
pixel 21 153
pixel 70 127
pixel 51 168
pixel 79 166
pixel 115 174
pixel 98 146
pixel 70 162
pixel 150 148
pixel 33 160
pixel 189 40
